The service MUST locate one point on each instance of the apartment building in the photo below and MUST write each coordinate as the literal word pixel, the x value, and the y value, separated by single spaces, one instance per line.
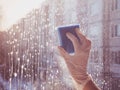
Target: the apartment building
pixel 104 24
pixel 114 42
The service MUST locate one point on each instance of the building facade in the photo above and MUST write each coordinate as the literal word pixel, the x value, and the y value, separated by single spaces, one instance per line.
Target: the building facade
pixel 114 42
pixel 104 19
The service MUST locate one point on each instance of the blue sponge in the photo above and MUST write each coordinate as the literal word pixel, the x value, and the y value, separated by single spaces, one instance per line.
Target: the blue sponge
pixel 64 41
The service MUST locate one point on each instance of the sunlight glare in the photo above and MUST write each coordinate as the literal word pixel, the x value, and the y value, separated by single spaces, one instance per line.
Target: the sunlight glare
pixel 13 10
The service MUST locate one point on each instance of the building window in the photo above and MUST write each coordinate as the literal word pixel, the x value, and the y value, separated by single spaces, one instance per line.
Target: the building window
pixel 117 5
pixel 116 31
pixel 116 57
pixel 112 5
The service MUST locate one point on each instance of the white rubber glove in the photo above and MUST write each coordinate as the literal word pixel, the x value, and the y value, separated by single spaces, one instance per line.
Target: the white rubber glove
pixel 77 63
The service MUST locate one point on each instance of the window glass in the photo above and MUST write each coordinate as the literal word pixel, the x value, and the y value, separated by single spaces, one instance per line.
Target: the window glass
pixel 118 30
pixel 116 57
pixel 118 4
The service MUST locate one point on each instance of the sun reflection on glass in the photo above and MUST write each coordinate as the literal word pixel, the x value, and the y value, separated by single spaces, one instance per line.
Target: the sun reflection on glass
pixel 13 10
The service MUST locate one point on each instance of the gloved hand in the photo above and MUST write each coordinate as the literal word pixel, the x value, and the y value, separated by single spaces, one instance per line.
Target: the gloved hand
pixel 77 63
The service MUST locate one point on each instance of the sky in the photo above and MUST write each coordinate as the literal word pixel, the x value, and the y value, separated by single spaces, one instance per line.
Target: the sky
pixel 13 10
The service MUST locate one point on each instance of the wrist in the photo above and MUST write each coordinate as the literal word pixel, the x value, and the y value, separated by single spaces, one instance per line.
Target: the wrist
pixel 82 78
pixel 80 84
